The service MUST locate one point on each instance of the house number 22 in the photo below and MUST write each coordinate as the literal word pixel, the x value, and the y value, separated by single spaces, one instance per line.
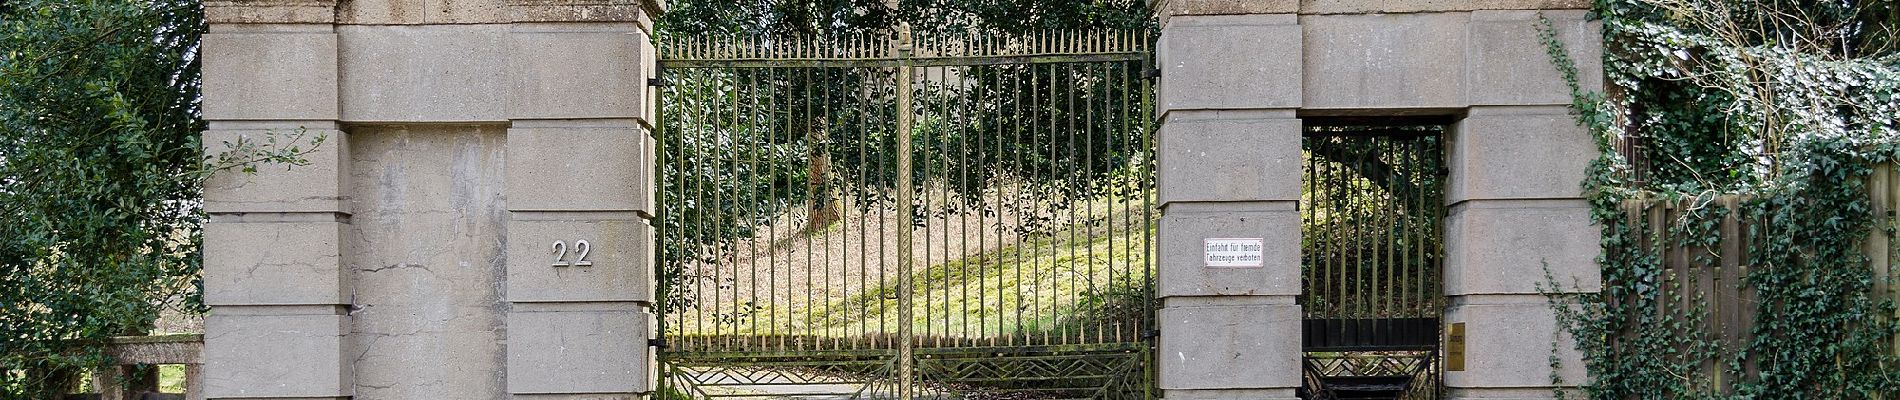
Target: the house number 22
pixel 580 259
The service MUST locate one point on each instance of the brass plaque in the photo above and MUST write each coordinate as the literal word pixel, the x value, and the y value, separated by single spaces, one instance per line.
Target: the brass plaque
pixel 1455 347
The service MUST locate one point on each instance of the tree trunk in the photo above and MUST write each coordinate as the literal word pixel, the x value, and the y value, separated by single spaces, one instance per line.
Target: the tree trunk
pixel 825 207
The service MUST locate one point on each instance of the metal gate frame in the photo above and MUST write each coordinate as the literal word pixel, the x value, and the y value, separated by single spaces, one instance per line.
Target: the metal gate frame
pixel 961 365
pixel 1372 263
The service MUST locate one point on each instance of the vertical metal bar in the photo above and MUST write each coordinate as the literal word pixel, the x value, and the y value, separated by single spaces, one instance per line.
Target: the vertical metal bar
pixel 1308 258
pixel 751 212
pixel 1048 317
pixel 963 210
pixel 1015 202
pixel 1069 139
pixel 905 364
pixel 1386 235
pixel 1088 151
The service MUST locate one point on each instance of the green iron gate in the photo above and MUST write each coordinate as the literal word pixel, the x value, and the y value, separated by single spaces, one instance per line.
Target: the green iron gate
pixel 1372 255
pixel 868 216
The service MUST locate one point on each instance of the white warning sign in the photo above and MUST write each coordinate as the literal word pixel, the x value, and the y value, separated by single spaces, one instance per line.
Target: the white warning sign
pixel 1235 253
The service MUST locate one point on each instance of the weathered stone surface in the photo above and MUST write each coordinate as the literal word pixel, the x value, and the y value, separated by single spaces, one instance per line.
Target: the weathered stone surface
pixel 256 263
pixel 1508 343
pixel 1511 66
pixel 1171 8
pixel 592 352
pixel 1230 347
pixel 415 12
pixel 1226 394
pixel 1505 246
pixel 582 10
pixel 1165 10
pixel 580 166
pixel 1186 226
pixel 275 356
pixel 1512 393
pixel 1426 6
pixel 1229 62
pixel 1536 152
pixel 429 261
pixel 438 73
pixel 1229 159
pixel 219 12
pixel 572 70
pixel 621 250
pixel 314 187
pixel 1384 60
pixel 650 68
pixel 278 72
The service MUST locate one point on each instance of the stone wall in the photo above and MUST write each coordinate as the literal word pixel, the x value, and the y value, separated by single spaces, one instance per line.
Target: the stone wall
pixel 410 259
pixel 1238 76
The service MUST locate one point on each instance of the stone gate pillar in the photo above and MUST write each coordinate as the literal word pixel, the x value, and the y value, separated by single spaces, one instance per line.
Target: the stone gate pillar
pixel 475 222
pixel 1229 168
pixel 1237 76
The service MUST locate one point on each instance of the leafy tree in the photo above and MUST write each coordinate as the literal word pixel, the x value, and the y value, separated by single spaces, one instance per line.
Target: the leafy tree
pixel 100 179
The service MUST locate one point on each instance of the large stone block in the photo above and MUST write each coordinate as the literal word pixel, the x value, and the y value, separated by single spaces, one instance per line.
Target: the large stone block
pixel 650 67
pixel 578 70
pixel 275 356
pixel 1510 64
pixel 619 253
pixel 317 186
pixel 1543 393
pixel 591 352
pixel 1518 153
pixel 1229 160
pixel 428 241
pixel 222 12
pixel 1230 347
pixel 412 12
pixel 1508 344
pixel 1227 394
pixel 1185 228
pixel 276 263
pixel 1506 246
pixel 431 73
pixel 584 10
pixel 580 166
pixel 1230 62
pixel 1432 6
pixel 1384 60
pixel 1168 9
pixel 271 72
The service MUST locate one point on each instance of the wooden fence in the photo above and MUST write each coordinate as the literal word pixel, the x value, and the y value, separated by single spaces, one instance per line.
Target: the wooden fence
pixel 1706 280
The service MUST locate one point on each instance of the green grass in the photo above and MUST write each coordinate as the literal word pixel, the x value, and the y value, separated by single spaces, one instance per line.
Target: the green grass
pixel 1072 281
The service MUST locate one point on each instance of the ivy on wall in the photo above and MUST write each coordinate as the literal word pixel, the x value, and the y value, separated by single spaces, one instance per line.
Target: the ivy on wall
pixel 1788 104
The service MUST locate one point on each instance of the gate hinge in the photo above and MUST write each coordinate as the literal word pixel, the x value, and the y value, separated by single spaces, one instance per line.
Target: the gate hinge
pixel 1150 334
pixel 1152 73
pixel 657 342
pixel 656 82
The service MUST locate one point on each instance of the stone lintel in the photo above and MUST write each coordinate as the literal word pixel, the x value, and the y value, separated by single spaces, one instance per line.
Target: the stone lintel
pixel 1171 8
pixel 270 11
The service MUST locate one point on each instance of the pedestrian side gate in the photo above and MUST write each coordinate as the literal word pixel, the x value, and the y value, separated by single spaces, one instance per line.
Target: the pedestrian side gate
pixel 872 216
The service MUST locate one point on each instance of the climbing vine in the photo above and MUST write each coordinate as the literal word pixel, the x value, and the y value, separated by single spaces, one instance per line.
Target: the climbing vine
pixel 1786 105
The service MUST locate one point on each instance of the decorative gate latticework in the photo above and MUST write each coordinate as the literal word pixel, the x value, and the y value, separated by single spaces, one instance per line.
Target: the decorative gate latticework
pixel 868 216
pixel 1372 206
